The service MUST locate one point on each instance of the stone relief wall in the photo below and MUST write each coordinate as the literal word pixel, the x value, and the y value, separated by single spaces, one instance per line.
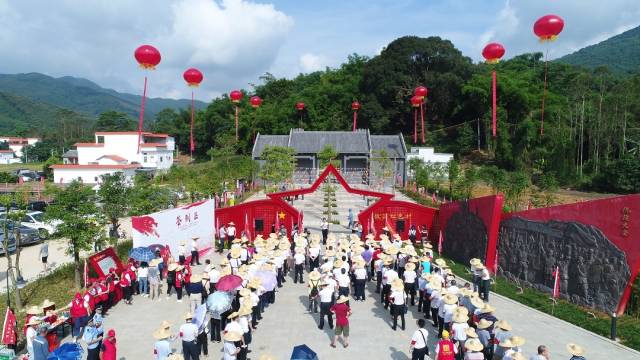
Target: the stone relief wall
pixel 465 236
pixel 593 271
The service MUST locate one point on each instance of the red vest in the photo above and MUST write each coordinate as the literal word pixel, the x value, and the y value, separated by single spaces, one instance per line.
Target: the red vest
pixel 78 309
pixel 108 350
pixel 179 280
pixel 446 350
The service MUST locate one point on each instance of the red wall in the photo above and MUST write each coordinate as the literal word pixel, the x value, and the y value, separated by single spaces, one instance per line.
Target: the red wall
pixel 392 210
pixel 489 210
pixel 259 209
pixel 617 218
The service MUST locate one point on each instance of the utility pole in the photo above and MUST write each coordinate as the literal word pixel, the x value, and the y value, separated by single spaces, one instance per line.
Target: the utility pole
pixel 478 126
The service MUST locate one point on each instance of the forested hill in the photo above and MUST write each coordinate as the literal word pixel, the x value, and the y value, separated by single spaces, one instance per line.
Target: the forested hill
pixel 81 95
pixel 620 53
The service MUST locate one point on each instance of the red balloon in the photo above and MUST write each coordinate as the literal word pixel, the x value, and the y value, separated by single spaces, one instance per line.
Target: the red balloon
pixel 193 77
pixel 548 27
pixel 416 101
pixel 147 56
pixel 355 106
pixel 420 92
pixel 493 52
pixel 236 96
pixel 255 101
pixel 300 106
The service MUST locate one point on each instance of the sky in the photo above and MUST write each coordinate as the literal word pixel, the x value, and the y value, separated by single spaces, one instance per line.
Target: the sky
pixel 233 42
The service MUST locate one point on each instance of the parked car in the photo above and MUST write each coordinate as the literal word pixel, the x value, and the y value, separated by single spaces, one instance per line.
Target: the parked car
pixel 12 244
pixel 37 205
pixel 28 236
pixel 35 220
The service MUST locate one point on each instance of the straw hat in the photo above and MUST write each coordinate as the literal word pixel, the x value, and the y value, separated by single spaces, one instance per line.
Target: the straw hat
pixel 475 262
pixel 245 292
pixel 183 243
pixel 410 266
pixel 359 264
pixel 231 223
pixel 517 340
pixel 427 276
pixel 161 333
pixel 476 302
pixel 224 261
pixel 397 285
pixel 450 299
pixel 484 324
pixel 473 345
pixel 391 250
pixel 155 262
pixel 428 245
pixel 165 324
pixel 460 317
pixel 299 250
pixel 195 278
pixel 471 332
pixel 575 349
pixel 244 310
pixel 172 267
pixel 503 324
pixel 232 336
pixel 235 253
pixel 435 284
pixel 34 310
pixel 179 268
pixel 329 253
pixel 440 262
pixel 461 310
pixel 314 275
pixel 254 282
pixel 518 356
pixel 175 357
pixel 466 292
pixel 338 263
pixel 33 321
pixel 388 262
pixel 487 309
pixel 233 315
pixel 506 343
pixel 342 299
pixel 188 316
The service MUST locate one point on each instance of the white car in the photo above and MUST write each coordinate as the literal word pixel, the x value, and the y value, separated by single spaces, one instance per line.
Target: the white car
pixel 35 220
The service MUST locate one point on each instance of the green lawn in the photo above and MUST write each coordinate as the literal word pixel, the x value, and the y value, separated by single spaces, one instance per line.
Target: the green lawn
pixel 14 167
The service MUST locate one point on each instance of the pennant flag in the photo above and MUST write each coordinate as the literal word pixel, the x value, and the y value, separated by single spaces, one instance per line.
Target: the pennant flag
pixel 9 335
pixel 85 273
pixel 277 222
pixel 440 243
pixel 388 224
pixel 247 231
pixel 556 283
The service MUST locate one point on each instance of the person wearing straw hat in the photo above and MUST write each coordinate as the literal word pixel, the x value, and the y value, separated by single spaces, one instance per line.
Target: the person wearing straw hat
pixel 423 302
pixel 517 342
pixel 171 278
pixel 419 347
pixel 195 255
pixel 196 291
pixel 502 332
pixel 398 299
pixel 298 268
pixel 31 334
pixel 445 348
pixel 188 333
pixel 360 275
pixel 326 298
pixel 232 345
pixel 446 307
pixel 473 350
pixel 409 275
pixel 484 335
pixel 342 311
pixel 314 290
pixel 231 233
pixel 434 300
pixel 576 351
pixel 459 330
pixel 388 276
pixel 485 282
pixel 162 346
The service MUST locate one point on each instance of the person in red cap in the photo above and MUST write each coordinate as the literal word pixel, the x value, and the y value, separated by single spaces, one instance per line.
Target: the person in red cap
pixel 79 315
pixel 108 348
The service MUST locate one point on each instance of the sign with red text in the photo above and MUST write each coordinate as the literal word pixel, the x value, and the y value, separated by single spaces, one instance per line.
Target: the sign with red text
pixel 173 226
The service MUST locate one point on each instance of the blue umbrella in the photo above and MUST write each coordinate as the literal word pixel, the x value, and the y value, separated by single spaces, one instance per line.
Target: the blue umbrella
pixel 142 254
pixel 67 351
pixel 219 302
pixel 303 352
pixel 267 279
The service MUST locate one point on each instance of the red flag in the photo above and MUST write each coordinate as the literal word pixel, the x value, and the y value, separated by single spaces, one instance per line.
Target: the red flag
pixel 388 224
pixel 277 222
pixel 85 273
pixel 300 222
pixel 495 264
pixel 247 232
pixel 440 243
pixel 556 283
pixel 9 335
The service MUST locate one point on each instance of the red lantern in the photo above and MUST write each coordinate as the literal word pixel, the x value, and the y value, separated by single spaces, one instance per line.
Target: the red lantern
pixel 420 92
pixel 236 96
pixel 416 101
pixel 355 106
pixel 255 102
pixel 300 106
pixel 493 52
pixel 147 56
pixel 193 77
pixel 548 27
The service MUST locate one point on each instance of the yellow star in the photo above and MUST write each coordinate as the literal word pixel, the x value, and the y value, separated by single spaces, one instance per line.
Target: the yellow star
pixel 281 215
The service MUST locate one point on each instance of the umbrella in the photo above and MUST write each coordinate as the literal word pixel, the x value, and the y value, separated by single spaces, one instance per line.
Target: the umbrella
pixel 67 351
pixel 303 352
pixel 142 254
pixel 268 279
pixel 229 283
pixel 199 316
pixel 219 301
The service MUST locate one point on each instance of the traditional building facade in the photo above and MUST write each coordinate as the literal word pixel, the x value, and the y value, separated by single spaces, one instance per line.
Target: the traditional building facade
pixel 18 143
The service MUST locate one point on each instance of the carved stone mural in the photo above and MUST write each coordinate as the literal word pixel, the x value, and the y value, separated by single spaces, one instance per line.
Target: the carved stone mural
pixel 593 271
pixel 466 236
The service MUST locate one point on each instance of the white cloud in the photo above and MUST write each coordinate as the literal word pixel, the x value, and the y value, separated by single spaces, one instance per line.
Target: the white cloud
pixel 230 41
pixel 310 62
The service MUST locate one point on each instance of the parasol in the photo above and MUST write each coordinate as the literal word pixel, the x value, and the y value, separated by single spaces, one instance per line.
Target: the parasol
pixel 142 254
pixel 68 351
pixel 219 301
pixel 303 352
pixel 229 283
pixel 267 278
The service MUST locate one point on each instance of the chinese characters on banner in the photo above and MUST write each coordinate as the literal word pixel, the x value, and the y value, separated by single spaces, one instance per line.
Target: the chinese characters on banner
pixel 625 219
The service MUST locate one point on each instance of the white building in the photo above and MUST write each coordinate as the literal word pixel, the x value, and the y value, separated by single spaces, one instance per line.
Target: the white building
pixel 8 157
pixel 17 143
pixel 115 152
pixel 428 155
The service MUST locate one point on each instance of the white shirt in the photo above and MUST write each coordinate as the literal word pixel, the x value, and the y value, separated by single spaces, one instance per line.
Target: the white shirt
pixel 435 299
pixel 229 351
pixel 324 225
pixel 409 276
pixel 485 274
pixel 214 276
pixel 244 254
pixel 231 231
pixel 194 245
pixel 188 332
pixel 458 330
pixel 361 274
pixel 419 337
pixel 343 280
pixel 537 357
pixel 388 276
pixel 398 297
pixel 448 312
pixel 233 326
pixel 299 258
pixel 255 299
pixel 143 272
pixel 244 324
pixel 314 252
pixel 31 333
pixel 453 290
pixel 326 294
pixel 222 233
pixel 181 250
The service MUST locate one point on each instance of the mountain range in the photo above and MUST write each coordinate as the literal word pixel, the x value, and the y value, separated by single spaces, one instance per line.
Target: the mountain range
pixel 32 98
pixel 620 53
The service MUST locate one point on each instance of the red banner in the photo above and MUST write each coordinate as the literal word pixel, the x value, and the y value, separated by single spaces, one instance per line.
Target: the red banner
pixel 9 336
pixel 556 283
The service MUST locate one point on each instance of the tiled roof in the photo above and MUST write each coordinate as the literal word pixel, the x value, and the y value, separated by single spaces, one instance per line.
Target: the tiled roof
pixel 70 154
pixel 263 141
pixel 392 144
pixel 115 158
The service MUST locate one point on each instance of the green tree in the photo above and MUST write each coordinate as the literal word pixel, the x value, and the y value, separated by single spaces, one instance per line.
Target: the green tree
pixel 467 182
pixel 327 156
pixel 279 163
pixel 6 177
pixel 453 172
pixel 80 221
pixel 115 197
pixel 53 159
pixel 115 121
pixel 517 184
pixel 147 197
